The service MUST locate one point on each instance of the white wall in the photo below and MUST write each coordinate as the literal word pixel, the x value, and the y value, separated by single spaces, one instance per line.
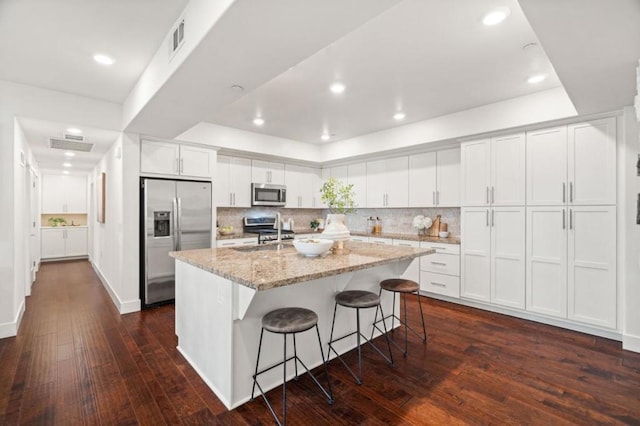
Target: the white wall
pixel 26 101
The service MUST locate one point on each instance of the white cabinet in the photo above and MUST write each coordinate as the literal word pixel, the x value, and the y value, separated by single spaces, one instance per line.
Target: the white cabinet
pixel 493 171
pixel 388 182
pixel 303 190
pixel 571 261
pixel 434 179
pixel 64 194
pixel 63 242
pixel 413 270
pixel 267 172
pixel 175 159
pixel 357 176
pixel 440 272
pixel 493 255
pixel 573 164
pixel 237 242
pixel 232 186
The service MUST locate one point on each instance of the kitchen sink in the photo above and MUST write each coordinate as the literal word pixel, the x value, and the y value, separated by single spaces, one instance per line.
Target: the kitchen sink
pixel 262 247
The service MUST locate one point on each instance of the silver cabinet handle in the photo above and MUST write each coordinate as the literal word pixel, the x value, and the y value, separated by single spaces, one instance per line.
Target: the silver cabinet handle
pixel 234 198
pixel 227 244
pixel 438 263
pixel 492 195
pixel 437 197
pixel 182 165
pixel 564 192
pixel 434 197
pixel 571 192
pixel 438 284
pixel 230 198
pixel 564 219
pixel 493 216
pixel 487 195
pixel 570 218
pixel 487 217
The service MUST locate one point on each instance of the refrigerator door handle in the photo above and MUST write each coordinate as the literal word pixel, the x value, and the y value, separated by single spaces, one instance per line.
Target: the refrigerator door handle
pixel 175 223
pixel 179 224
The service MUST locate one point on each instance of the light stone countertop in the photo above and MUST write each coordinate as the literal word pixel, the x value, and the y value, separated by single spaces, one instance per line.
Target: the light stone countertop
pixel 265 269
pixel 409 237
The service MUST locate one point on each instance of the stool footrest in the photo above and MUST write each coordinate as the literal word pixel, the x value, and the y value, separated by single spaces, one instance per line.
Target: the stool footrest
pixel 331 348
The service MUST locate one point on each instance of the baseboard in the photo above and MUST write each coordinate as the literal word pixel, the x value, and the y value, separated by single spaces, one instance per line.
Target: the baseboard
pixel 10 329
pixel 631 342
pixel 124 307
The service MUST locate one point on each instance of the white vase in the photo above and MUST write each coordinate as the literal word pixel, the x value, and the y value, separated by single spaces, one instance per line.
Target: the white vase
pixel 335 229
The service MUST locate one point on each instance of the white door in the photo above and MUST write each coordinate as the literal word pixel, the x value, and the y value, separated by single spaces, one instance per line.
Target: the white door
pixel 547 167
pixel 508 256
pixel 592 265
pixel 475 270
pixel 422 180
pixel 508 170
pixel 240 181
pixel 592 162
pixel 448 191
pixel 160 157
pixel 196 161
pixel 76 241
pixel 546 268
pixel 52 243
pixel 221 192
pixel 357 175
pixel 397 182
pixel 476 165
pixel 376 183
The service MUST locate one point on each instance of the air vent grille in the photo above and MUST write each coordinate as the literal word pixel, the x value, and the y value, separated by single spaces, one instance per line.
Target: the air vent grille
pixel 68 145
pixel 71 137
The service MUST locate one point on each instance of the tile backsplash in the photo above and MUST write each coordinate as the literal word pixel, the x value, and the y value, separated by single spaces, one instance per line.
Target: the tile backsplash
pixel 393 220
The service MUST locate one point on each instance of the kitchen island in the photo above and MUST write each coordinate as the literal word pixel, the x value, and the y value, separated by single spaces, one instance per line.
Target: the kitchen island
pixel 222 295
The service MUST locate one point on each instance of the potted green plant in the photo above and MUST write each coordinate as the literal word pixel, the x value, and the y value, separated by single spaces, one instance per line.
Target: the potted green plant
pixel 56 221
pixel 338 197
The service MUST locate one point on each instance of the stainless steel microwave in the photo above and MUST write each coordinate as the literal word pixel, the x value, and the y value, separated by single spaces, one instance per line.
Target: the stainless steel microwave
pixel 265 194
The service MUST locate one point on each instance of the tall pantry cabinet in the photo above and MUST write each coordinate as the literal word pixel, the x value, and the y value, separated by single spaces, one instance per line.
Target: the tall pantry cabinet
pixel 571 222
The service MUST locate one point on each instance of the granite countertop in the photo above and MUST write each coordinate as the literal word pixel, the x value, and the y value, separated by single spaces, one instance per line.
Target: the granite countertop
pixel 264 269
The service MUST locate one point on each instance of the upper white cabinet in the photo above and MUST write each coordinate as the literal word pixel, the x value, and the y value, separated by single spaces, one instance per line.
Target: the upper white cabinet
pixel 434 179
pixel 357 176
pixel 303 190
pixel 387 183
pixel 64 193
pixel 573 164
pixel 232 186
pixel 267 172
pixel 493 171
pixel 176 159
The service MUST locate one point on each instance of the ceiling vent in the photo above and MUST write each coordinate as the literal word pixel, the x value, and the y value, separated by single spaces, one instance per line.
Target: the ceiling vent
pixel 177 39
pixel 70 145
pixel 72 137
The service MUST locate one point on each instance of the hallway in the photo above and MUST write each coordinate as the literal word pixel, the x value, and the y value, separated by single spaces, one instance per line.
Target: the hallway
pixel 77 361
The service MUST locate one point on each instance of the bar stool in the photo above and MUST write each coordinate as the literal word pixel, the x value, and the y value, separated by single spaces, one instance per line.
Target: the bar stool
pixel 287 321
pixel 404 287
pixel 358 299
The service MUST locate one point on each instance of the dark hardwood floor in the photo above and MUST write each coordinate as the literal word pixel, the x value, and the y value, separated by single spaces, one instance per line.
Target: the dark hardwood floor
pixel 76 361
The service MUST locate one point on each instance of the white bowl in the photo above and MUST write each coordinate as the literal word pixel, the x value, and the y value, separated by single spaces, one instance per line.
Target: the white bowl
pixel 443 234
pixel 312 247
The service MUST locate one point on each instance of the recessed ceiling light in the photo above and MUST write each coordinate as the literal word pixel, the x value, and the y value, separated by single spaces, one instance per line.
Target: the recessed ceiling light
pixel 74 130
pixel 69 154
pixel 66 172
pixel 237 88
pixel 536 78
pixel 103 59
pixel 496 16
pixel 325 136
pixel 337 88
pixel 399 116
pixel 66 164
pixel 258 121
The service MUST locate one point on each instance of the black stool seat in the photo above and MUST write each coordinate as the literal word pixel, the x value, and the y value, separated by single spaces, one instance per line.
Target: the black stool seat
pixel 400 285
pixel 289 320
pixel 357 299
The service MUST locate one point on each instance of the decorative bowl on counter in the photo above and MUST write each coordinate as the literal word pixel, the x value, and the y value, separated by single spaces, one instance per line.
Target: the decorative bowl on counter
pixel 312 247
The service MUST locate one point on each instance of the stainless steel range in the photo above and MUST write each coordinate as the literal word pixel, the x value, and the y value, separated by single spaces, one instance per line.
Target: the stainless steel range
pixel 265 227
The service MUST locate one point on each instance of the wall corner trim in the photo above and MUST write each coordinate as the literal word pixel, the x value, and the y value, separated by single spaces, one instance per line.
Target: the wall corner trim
pixel 125 307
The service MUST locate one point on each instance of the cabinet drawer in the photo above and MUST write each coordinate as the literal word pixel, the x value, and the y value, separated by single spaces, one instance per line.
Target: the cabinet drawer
pixel 441 263
pixel 406 243
pixel 361 239
pixel 237 242
pixel 378 240
pixel 446 285
pixel 441 247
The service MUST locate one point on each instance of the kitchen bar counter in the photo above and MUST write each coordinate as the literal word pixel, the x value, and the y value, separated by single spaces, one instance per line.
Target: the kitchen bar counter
pixel 223 293
pixel 267 268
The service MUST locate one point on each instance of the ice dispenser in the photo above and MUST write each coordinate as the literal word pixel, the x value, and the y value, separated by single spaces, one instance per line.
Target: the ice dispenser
pixel 161 223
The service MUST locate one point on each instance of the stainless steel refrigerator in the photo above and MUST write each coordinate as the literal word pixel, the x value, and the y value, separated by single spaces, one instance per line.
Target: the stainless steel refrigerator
pixel 175 215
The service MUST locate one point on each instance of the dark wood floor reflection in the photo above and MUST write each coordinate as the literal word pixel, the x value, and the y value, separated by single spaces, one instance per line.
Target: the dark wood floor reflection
pixel 76 361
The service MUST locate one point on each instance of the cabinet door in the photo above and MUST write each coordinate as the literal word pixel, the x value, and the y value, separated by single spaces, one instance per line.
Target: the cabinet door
pixel 259 171
pixel 508 171
pixel 546 268
pixel 397 182
pixel 508 256
pixel 53 194
pixel 196 161
pixel 592 162
pixel 293 180
pixel 76 194
pixel 221 192
pixel 475 261
pixel 448 191
pixel 276 173
pixel 476 164
pixel 422 180
pixel 52 243
pixel 240 181
pixel 317 179
pixel 547 167
pixel 592 265
pixel 76 242
pixel 357 175
pixel 376 184
pixel 159 157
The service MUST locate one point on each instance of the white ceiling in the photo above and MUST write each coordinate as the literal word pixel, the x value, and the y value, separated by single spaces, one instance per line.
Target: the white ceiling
pixel 426 57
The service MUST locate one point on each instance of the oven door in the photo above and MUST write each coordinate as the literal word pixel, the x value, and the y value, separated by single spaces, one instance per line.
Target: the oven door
pixel 264 194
